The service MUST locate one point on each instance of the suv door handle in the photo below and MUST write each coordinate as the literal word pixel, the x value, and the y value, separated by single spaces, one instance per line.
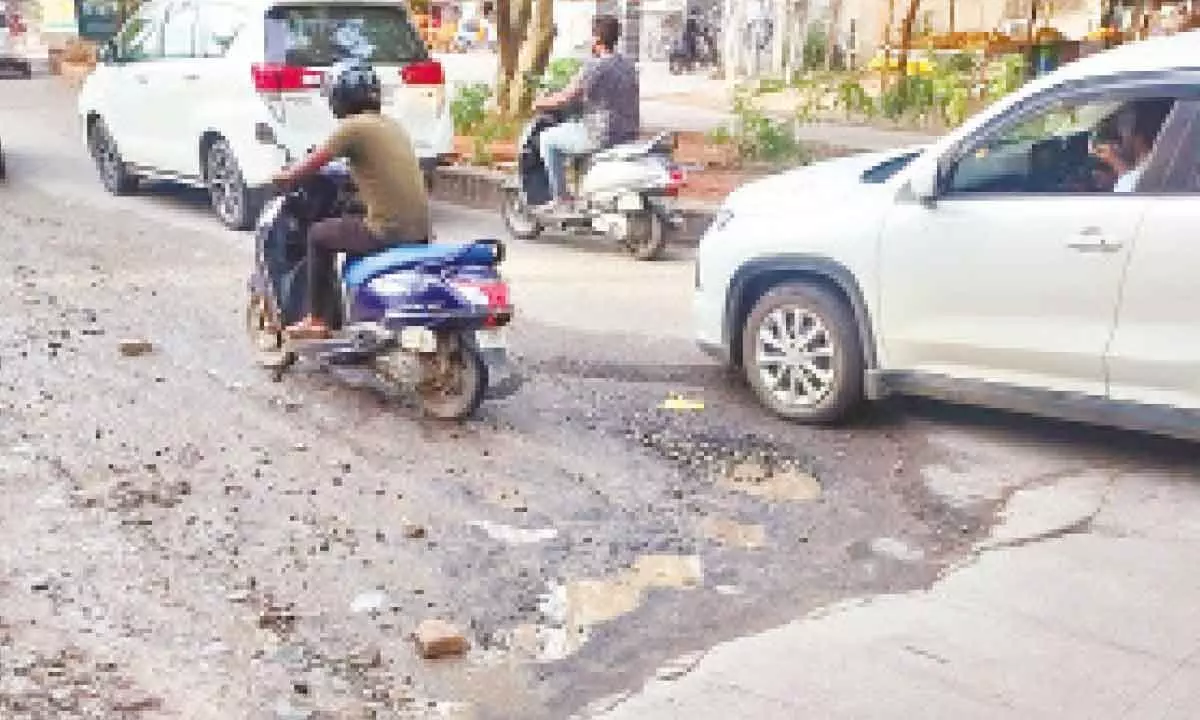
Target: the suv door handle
pixel 141 79
pixel 1093 240
pixel 191 76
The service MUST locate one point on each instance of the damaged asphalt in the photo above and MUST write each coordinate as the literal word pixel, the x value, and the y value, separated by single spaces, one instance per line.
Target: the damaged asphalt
pixel 182 537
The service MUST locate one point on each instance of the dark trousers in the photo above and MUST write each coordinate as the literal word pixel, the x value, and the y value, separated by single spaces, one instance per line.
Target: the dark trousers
pixel 329 237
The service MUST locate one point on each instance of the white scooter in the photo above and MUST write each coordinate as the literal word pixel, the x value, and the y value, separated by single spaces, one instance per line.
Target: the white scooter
pixel 625 193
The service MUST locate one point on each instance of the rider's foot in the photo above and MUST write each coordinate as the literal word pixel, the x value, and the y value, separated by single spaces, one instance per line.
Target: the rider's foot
pixel 310 328
pixel 558 205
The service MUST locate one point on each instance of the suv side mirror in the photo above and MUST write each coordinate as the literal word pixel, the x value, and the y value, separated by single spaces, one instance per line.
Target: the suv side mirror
pixel 923 181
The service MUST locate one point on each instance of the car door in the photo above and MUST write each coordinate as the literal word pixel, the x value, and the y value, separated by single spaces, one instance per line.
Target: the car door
pixel 1011 275
pixel 1154 357
pixel 126 89
pixel 170 149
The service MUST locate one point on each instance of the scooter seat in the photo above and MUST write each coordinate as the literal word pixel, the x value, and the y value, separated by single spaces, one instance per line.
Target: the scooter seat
pixel 360 269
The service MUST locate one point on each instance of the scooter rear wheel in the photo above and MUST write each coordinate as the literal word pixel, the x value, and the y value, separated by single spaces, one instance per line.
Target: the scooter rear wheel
pixel 647 236
pixel 517 218
pixel 453 380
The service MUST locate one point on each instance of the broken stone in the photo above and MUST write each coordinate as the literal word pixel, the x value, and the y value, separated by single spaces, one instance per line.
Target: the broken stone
pixel 368 602
pixel 439 639
pixel 134 348
pixel 897 549
pixel 130 702
pixel 413 531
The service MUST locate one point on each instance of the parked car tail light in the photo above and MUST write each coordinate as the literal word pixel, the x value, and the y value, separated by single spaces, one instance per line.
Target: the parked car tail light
pixel 676 179
pixel 284 78
pixel 426 72
pixel 492 294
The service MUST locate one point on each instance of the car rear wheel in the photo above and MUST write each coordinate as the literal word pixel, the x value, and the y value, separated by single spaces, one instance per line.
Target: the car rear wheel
pixel 114 174
pixel 802 354
pixel 235 204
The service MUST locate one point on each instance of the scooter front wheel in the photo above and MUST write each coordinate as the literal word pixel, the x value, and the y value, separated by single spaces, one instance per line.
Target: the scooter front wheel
pixel 517 219
pixel 453 379
pixel 265 334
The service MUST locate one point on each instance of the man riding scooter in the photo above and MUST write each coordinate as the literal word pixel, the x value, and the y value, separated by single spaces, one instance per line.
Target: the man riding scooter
pixel 607 89
pixel 387 175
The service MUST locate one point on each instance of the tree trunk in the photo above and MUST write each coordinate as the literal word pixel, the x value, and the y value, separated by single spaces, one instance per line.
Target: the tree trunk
pixel 835 20
pixel 906 33
pixel 512 23
pixel 734 36
pixel 533 58
pixel 779 39
pixel 799 33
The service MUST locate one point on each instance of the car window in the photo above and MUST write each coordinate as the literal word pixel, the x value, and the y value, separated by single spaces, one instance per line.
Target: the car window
pixel 139 38
pixel 1184 174
pixel 1094 146
pixel 319 35
pixel 179 30
pixel 220 23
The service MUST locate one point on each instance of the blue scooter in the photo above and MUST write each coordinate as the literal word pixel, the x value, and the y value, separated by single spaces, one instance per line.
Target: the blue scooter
pixel 429 316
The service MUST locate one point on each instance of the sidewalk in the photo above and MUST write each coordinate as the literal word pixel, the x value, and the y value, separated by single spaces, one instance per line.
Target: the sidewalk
pixel 1085 603
pixel 693 102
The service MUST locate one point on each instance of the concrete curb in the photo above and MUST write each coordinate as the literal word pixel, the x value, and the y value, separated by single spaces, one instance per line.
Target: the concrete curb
pixel 480 188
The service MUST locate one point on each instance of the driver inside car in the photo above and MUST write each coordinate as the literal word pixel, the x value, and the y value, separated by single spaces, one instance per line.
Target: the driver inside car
pixel 1124 141
pixel 388 178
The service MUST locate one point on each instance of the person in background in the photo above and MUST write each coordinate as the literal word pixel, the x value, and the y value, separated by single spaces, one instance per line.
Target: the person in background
pixel 607 88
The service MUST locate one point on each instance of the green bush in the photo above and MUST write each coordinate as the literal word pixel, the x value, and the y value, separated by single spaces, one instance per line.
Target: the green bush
pixel 469 107
pixel 558 73
pixel 759 137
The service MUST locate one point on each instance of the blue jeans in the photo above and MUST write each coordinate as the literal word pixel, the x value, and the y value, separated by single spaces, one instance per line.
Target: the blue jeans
pixel 557 142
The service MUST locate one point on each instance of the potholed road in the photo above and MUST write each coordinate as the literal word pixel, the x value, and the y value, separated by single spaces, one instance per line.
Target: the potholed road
pixel 180 537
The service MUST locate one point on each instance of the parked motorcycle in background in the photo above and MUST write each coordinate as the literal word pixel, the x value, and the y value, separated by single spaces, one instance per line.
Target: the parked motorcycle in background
pixel 626 193
pixel 431 317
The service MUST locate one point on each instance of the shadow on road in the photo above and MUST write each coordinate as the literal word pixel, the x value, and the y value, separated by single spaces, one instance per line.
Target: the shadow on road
pixel 1129 445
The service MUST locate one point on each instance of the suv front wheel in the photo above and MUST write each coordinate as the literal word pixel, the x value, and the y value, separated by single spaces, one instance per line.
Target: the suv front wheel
pixel 802 354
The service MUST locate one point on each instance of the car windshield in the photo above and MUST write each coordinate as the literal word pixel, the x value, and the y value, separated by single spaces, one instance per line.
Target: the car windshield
pixel 320 35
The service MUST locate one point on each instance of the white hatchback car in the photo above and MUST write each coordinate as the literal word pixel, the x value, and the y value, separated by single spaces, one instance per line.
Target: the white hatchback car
pixel 221 94
pixel 1006 265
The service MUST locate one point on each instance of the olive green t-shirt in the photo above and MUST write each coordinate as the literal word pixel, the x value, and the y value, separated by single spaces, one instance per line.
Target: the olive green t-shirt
pixel 387 173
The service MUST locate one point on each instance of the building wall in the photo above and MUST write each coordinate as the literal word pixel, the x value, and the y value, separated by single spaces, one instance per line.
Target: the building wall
pixel 1074 18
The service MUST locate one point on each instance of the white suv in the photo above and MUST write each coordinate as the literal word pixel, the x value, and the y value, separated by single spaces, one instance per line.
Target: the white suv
pixel 1005 265
pixel 221 94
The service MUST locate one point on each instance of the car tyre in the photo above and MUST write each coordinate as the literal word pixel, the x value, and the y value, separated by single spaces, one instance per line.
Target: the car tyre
pixel 802 354
pixel 114 173
pixel 236 205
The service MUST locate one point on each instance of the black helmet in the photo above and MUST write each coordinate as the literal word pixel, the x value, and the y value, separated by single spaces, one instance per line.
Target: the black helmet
pixel 352 87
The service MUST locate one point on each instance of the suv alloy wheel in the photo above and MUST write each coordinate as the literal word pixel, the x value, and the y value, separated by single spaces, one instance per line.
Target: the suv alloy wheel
pixel 802 354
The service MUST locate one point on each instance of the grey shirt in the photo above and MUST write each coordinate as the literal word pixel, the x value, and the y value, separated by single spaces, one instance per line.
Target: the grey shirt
pixel 611 99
